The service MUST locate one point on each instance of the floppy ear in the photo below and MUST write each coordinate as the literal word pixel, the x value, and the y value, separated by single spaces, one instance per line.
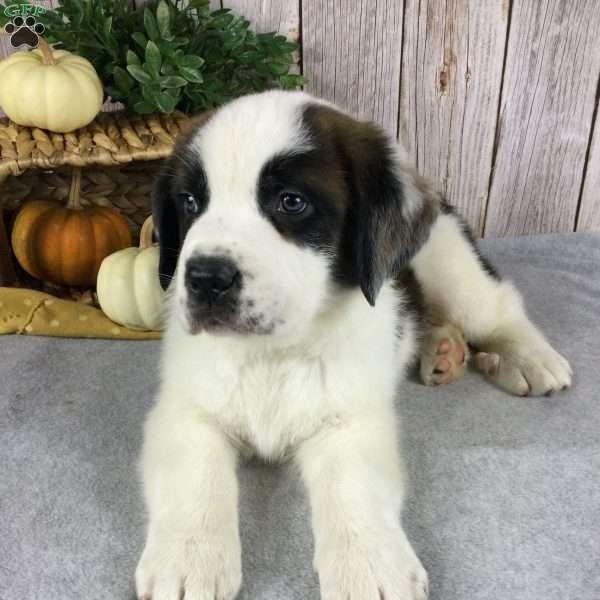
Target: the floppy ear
pixel 390 209
pixel 167 227
pixel 392 217
pixel 391 213
pixel 166 224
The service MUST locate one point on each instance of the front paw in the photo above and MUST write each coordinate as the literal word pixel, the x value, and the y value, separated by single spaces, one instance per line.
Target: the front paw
pixel 203 567
pixel 524 369
pixel 383 569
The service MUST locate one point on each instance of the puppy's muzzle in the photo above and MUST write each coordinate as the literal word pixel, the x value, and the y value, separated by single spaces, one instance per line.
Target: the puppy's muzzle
pixel 212 281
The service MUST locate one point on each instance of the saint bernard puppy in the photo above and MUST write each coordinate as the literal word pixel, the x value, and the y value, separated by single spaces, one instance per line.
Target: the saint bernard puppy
pixel 307 266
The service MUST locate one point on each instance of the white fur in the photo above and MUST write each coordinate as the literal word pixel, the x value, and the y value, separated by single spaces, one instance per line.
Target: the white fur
pixel 318 390
pixel 309 401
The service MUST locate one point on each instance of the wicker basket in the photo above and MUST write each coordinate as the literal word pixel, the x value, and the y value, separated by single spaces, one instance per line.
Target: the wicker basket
pixel 117 155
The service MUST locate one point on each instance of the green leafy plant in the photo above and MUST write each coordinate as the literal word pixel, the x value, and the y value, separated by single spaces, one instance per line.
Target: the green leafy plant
pixel 171 54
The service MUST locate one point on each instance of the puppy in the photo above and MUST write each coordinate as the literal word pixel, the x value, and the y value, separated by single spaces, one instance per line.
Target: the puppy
pixel 305 265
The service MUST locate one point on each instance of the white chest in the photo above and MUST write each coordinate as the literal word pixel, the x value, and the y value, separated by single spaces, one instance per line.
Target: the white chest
pixel 273 405
pixel 268 402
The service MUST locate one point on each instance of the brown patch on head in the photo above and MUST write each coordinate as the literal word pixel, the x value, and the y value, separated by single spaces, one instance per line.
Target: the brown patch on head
pixel 361 212
pixel 318 174
pixel 387 210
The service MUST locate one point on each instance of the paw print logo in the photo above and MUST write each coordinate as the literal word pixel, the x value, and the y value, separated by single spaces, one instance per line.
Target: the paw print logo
pixel 24 32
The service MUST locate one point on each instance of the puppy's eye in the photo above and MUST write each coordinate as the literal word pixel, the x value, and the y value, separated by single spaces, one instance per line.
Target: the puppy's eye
pixel 291 204
pixel 189 203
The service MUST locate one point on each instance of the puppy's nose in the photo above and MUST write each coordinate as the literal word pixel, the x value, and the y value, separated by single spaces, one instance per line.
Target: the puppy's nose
pixel 212 279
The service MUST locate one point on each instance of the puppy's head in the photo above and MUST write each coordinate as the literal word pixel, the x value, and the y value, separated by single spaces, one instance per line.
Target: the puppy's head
pixel 273 206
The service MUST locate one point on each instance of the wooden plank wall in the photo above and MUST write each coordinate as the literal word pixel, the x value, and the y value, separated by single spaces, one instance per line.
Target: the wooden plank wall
pixel 351 55
pixel 589 214
pixel 547 106
pixel 495 100
pixel 451 81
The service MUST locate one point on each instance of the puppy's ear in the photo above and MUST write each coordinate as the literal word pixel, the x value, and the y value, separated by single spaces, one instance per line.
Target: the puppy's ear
pixel 392 215
pixel 166 224
pixel 167 227
pixel 389 208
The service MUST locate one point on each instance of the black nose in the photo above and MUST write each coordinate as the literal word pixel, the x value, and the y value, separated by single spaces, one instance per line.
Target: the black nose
pixel 212 279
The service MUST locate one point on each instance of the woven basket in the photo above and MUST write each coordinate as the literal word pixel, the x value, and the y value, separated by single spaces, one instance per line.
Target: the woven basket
pixel 117 154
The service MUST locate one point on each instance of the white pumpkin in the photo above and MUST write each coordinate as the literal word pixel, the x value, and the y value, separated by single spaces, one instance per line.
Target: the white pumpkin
pixel 50 89
pixel 128 285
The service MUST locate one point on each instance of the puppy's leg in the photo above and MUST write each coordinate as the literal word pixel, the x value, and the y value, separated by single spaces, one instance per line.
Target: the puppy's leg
pixel 355 487
pixel 458 283
pixel 193 545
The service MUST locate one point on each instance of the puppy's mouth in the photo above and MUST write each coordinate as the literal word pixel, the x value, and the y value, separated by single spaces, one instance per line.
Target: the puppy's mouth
pixel 223 320
pixel 212 319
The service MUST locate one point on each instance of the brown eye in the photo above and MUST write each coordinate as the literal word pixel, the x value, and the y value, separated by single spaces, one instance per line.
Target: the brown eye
pixel 189 203
pixel 291 204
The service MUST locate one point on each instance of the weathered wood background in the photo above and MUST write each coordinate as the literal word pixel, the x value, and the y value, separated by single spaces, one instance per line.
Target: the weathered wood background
pixel 496 100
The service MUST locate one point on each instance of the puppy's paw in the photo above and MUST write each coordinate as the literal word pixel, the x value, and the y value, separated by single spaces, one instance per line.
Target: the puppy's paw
pixel 444 355
pixel 524 368
pixel 385 569
pixel 194 568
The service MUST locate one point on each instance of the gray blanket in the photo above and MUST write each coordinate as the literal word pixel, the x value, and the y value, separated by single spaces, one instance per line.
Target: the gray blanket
pixel 505 494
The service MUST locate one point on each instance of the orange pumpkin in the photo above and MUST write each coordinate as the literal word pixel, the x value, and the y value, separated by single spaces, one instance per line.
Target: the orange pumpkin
pixel 66 244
